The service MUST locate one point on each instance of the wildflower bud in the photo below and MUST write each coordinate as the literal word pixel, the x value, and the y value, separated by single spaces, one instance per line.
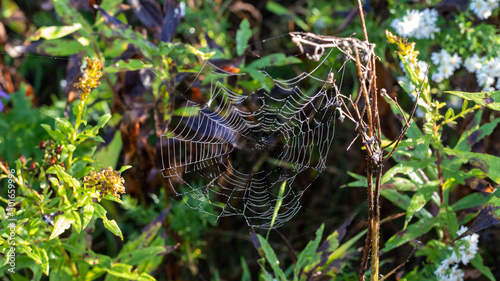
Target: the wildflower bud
pixel 42 145
pixel 22 158
pixel 32 166
pixel 59 149
pixel 53 160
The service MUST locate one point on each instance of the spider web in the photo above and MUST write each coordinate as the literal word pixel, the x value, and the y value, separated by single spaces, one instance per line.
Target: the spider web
pixel 233 152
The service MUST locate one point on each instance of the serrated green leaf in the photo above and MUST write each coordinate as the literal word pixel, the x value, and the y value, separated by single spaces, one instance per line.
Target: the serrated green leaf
pixel 242 36
pixel 487 99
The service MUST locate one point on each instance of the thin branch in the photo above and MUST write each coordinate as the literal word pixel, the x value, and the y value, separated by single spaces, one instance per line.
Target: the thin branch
pixel 408 124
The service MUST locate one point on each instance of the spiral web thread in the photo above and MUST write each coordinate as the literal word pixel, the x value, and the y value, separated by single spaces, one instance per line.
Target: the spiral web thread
pixel 232 157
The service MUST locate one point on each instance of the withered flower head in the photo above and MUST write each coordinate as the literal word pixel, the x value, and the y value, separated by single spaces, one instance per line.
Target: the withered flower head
pixel 106 182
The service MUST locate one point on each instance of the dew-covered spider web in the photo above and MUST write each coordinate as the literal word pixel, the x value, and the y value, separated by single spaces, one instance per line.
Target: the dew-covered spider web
pixel 231 153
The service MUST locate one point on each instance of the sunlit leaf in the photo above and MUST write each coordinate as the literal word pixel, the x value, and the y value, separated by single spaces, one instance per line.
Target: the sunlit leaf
pixel 63 222
pixel 54 32
pixel 242 36
pixel 487 99
pixel 489 164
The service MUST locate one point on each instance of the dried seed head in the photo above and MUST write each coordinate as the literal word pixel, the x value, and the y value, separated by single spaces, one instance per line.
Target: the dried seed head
pixel 106 182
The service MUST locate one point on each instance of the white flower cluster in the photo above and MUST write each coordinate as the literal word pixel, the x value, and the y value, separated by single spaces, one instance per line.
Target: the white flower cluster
pixel 447 64
pixel 483 8
pixel 486 69
pixel 418 24
pixel 467 250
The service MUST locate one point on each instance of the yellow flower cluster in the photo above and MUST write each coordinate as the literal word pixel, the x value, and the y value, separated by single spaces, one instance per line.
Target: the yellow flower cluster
pixel 90 80
pixel 406 49
pixel 106 182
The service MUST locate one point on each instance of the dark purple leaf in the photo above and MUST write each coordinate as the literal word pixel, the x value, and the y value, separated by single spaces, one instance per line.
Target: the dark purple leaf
pixel 110 20
pixel 486 218
pixel 172 19
pixel 148 12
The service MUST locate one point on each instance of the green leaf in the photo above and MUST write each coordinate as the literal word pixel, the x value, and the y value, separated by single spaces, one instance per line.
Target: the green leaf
pixel 187 111
pixel 246 276
pixel 70 15
pixel 129 65
pixel 88 211
pixel 242 36
pixel 60 47
pixel 99 211
pixel 272 60
pixel 277 206
pixel 449 114
pixel 103 120
pixel 54 32
pixel 477 262
pixel 138 256
pixel 62 175
pixel 108 155
pixel 487 99
pixel 112 226
pixel 44 261
pixel 271 258
pixel 308 257
pixel 124 168
pixel 476 133
pixel 63 222
pixel 282 11
pixel 65 126
pixel 126 271
pixel 419 199
pixel 489 164
pixel 470 201
pixel 77 224
pixel 413 231
pixel 55 135
pixel 396 169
